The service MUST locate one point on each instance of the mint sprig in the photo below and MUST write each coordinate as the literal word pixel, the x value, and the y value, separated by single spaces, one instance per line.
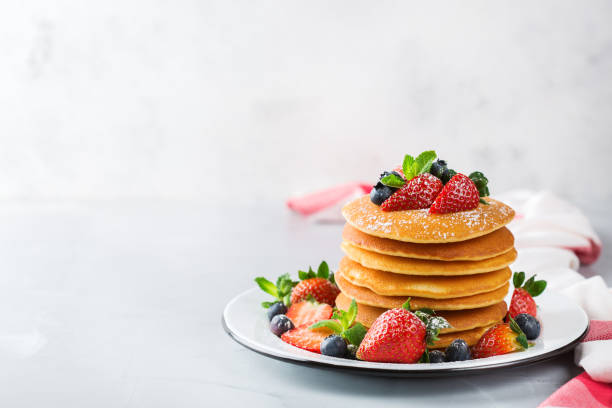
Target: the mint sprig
pixel 411 167
pixel 521 338
pixel 343 323
pixel 393 180
pixel 281 291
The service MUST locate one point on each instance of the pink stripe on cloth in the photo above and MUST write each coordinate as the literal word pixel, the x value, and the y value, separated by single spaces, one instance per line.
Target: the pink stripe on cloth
pixel 587 255
pixel 581 392
pixel 599 330
pixel 315 202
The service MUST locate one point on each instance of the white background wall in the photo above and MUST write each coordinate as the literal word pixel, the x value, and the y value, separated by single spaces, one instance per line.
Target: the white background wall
pixel 255 100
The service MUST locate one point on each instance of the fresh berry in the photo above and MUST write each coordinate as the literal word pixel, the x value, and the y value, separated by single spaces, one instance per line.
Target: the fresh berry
pixel 447 175
pixel 280 324
pixel 529 325
pixel 276 309
pixel 334 346
pixel 437 168
pixel 351 351
pixel 321 289
pixel 306 338
pixel 459 194
pixel 417 193
pixel 399 336
pixel 306 313
pixel 522 297
pixel 380 193
pixel 458 350
pixel 502 338
pixel 437 356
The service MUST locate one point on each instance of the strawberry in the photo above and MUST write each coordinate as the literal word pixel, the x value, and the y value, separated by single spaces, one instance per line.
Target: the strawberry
pixel 320 286
pixel 307 313
pixel 522 297
pixel 502 338
pixel 418 192
pixel 459 194
pixel 305 338
pixel 400 336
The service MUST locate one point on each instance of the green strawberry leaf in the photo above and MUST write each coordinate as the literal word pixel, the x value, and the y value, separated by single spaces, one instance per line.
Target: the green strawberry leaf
pixel 408 167
pixel 311 273
pixel 424 161
pixel 518 279
pixel 355 334
pixel 425 357
pixel 332 279
pixel 432 336
pixel 267 286
pixel 393 180
pixel 266 305
pixel 330 324
pixel 406 304
pixel 485 202
pixel 323 270
pixel 303 275
pixel 422 315
pixel 287 299
pixel 427 310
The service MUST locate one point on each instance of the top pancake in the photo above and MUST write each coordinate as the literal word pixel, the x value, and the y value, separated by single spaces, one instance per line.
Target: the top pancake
pixel 487 246
pixel 422 227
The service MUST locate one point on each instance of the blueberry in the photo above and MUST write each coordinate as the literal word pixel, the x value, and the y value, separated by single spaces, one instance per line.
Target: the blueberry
pixel 378 195
pixel 276 309
pixel 458 350
pixel 386 173
pixel 280 324
pixel 447 175
pixel 529 325
pixel 334 346
pixel 351 351
pixel 437 168
pixel 437 356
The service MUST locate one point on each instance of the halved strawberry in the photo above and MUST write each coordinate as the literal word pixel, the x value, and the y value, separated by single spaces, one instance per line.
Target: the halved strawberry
pixel 503 338
pixel 320 286
pixel 459 194
pixel 307 313
pixel 522 297
pixel 419 192
pixel 305 338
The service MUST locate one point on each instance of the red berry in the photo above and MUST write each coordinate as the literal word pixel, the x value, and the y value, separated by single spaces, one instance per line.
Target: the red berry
pixel 396 336
pixel 307 313
pixel 499 339
pixel 522 302
pixel 305 338
pixel 459 194
pixel 418 192
pixel 321 289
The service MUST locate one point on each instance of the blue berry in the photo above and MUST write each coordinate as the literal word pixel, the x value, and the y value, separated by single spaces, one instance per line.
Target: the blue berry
pixel 458 350
pixel 437 168
pixel 334 346
pixel 437 356
pixel 351 351
pixel 280 324
pixel 529 325
pixel 380 193
pixel 276 309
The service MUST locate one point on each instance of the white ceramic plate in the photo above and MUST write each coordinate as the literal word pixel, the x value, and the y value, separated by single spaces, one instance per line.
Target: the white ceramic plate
pixel 564 325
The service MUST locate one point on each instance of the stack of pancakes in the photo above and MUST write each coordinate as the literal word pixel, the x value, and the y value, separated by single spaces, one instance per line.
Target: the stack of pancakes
pixel 455 264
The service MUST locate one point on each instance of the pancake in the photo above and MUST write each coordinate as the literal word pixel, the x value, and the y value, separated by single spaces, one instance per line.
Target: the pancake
pixel 434 287
pixel 460 320
pixel 424 267
pixel 422 227
pixel 471 337
pixel 366 297
pixel 487 246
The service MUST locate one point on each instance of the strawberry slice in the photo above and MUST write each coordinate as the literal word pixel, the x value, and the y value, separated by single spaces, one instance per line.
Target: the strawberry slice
pixel 419 192
pixel 459 194
pixel 305 338
pixel 306 313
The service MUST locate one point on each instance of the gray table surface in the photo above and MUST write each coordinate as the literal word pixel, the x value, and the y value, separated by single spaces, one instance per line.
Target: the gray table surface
pixel 118 304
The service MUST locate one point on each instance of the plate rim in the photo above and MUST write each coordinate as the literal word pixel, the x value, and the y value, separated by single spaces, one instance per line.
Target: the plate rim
pixel 421 373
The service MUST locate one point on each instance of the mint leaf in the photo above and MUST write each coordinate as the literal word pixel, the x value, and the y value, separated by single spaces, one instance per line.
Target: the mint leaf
pixel 266 305
pixel 351 313
pixel 518 279
pixel 437 322
pixel 267 286
pixel 330 324
pixel 323 271
pixel 393 180
pixel 522 340
pixel 408 167
pixel 287 299
pixel 355 334
pixel 425 357
pixel 424 161
pixel 427 310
